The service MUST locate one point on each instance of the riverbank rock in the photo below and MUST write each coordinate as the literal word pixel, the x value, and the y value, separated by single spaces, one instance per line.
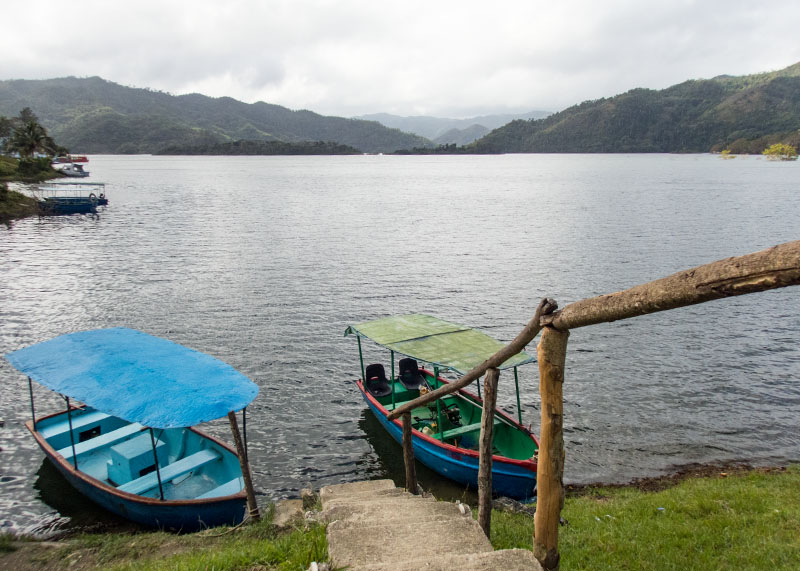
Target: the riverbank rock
pixel 287 512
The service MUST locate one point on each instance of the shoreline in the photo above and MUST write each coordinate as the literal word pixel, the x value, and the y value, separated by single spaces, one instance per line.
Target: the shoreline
pixel 678 475
pixel 583 540
pixel 649 484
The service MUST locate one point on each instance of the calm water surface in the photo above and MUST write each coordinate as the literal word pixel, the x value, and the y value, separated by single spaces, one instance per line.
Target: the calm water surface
pixel 263 262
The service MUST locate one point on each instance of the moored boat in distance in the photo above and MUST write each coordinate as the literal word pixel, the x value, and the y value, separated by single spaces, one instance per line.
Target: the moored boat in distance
pixel 71 170
pixel 70 197
pixel 132 447
pixel 445 434
pixel 71 159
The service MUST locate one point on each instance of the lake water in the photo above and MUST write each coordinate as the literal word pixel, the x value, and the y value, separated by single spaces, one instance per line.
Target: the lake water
pixel 263 262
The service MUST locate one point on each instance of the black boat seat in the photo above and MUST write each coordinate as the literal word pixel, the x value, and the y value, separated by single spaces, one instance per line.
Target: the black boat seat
pixel 410 375
pixel 376 383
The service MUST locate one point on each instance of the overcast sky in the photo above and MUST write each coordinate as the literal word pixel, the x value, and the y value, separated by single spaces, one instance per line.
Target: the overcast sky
pixel 433 57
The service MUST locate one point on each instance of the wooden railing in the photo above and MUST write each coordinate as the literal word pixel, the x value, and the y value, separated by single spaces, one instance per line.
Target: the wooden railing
pixel 773 268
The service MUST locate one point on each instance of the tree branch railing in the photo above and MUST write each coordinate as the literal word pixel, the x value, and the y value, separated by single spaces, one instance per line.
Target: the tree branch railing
pixel 772 268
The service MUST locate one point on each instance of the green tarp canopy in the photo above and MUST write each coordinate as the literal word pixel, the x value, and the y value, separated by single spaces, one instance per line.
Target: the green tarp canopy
pixel 435 341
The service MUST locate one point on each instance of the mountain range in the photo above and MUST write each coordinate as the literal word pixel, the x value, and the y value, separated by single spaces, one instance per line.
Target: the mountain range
pixel 693 116
pixel 444 131
pixel 92 115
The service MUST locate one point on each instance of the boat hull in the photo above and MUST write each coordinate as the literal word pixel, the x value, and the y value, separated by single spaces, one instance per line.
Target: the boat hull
pixel 176 515
pixel 68 206
pixel 511 478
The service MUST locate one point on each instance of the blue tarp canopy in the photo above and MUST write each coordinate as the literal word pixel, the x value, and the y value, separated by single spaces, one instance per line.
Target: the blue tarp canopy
pixel 137 377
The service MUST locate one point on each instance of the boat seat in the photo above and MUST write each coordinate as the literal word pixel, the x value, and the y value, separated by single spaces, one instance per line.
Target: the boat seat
pixel 410 375
pixel 79 420
pixel 133 458
pixel 171 471
pixel 460 430
pixel 228 488
pixel 376 383
pixel 101 441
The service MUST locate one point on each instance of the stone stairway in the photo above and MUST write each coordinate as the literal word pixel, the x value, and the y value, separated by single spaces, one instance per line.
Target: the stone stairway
pixel 375 526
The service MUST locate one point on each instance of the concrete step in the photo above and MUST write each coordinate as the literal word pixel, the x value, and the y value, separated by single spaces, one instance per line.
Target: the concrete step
pixel 386 544
pixel 388 498
pixel 507 560
pixel 377 513
pixel 426 521
pixel 354 489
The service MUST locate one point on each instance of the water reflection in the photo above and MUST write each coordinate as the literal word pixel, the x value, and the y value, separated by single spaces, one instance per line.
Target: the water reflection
pixel 386 461
pixel 76 512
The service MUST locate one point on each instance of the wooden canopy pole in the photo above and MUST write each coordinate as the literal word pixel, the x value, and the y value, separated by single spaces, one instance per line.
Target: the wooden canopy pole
pixel 252 506
pixel 552 355
pixel 485 451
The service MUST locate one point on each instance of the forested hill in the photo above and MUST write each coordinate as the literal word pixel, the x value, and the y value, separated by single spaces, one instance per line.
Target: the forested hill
pixel 92 115
pixel 694 116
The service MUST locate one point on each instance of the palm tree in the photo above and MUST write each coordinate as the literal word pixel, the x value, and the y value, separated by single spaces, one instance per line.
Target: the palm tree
pixel 29 138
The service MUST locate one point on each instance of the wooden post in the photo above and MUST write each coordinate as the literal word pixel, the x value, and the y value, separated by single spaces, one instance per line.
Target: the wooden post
pixel 485 449
pixel 252 506
pixel 408 455
pixel 552 354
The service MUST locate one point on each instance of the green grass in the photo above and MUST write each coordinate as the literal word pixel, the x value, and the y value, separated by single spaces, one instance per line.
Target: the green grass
pixel 748 520
pixel 15 205
pixel 744 521
pixel 7 543
pixel 259 546
pixel 31 170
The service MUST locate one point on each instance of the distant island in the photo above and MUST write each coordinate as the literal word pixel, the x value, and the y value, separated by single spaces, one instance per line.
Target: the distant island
pixel 743 114
pixel 262 148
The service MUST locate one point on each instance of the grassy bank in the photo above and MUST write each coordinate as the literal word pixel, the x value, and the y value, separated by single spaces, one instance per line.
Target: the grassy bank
pixel 14 205
pixel 258 546
pixel 26 170
pixel 744 520
pixel 740 520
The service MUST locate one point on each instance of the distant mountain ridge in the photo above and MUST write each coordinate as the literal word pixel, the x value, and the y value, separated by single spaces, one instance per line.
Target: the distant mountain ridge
pixel 445 131
pixel 92 115
pixel 693 116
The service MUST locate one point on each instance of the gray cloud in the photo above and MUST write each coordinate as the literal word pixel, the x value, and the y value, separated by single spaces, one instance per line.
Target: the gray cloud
pixel 355 56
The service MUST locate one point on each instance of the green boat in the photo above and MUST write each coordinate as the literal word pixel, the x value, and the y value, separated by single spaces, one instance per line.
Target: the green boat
pixel 445 433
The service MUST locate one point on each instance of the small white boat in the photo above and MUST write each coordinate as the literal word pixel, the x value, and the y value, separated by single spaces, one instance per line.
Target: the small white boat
pixel 71 169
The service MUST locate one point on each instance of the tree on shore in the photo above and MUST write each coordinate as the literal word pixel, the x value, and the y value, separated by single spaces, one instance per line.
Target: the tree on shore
pixel 780 152
pixel 27 136
pixel 6 127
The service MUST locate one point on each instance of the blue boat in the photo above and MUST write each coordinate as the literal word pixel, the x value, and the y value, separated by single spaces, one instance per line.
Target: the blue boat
pixel 130 444
pixel 71 197
pixel 445 434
